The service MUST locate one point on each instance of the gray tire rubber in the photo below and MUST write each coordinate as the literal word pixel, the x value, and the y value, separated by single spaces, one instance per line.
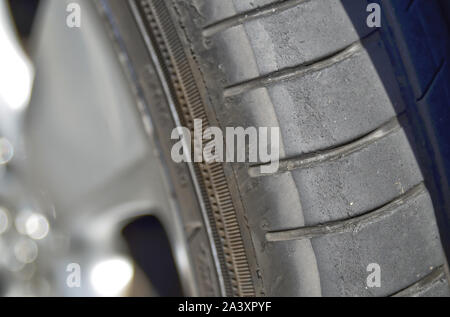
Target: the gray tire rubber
pixel 350 191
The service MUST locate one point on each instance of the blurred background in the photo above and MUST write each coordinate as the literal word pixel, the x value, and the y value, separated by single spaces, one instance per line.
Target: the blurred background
pixel 83 203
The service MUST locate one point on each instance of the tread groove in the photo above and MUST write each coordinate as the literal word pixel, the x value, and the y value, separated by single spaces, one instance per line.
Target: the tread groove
pixel 312 159
pixel 354 224
pixel 426 283
pixel 243 17
pixel 297 71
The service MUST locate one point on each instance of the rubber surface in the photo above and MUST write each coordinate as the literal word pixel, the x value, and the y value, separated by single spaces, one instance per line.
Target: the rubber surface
pixel 354 185
pixel 322 109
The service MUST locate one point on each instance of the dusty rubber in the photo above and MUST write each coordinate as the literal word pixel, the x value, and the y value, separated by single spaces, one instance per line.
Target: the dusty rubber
pixel 352 189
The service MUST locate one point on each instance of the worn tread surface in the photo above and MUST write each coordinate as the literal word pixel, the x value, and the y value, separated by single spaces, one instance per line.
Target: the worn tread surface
pixel 337 91
pixel 253 66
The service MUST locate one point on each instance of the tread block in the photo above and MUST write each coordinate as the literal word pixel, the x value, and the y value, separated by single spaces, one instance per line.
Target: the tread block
pixel 283 40
pixel 294 273
pixel 212 11
pixel 338 104
pixel 306 32
pixel 361 182
pixel 406 245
